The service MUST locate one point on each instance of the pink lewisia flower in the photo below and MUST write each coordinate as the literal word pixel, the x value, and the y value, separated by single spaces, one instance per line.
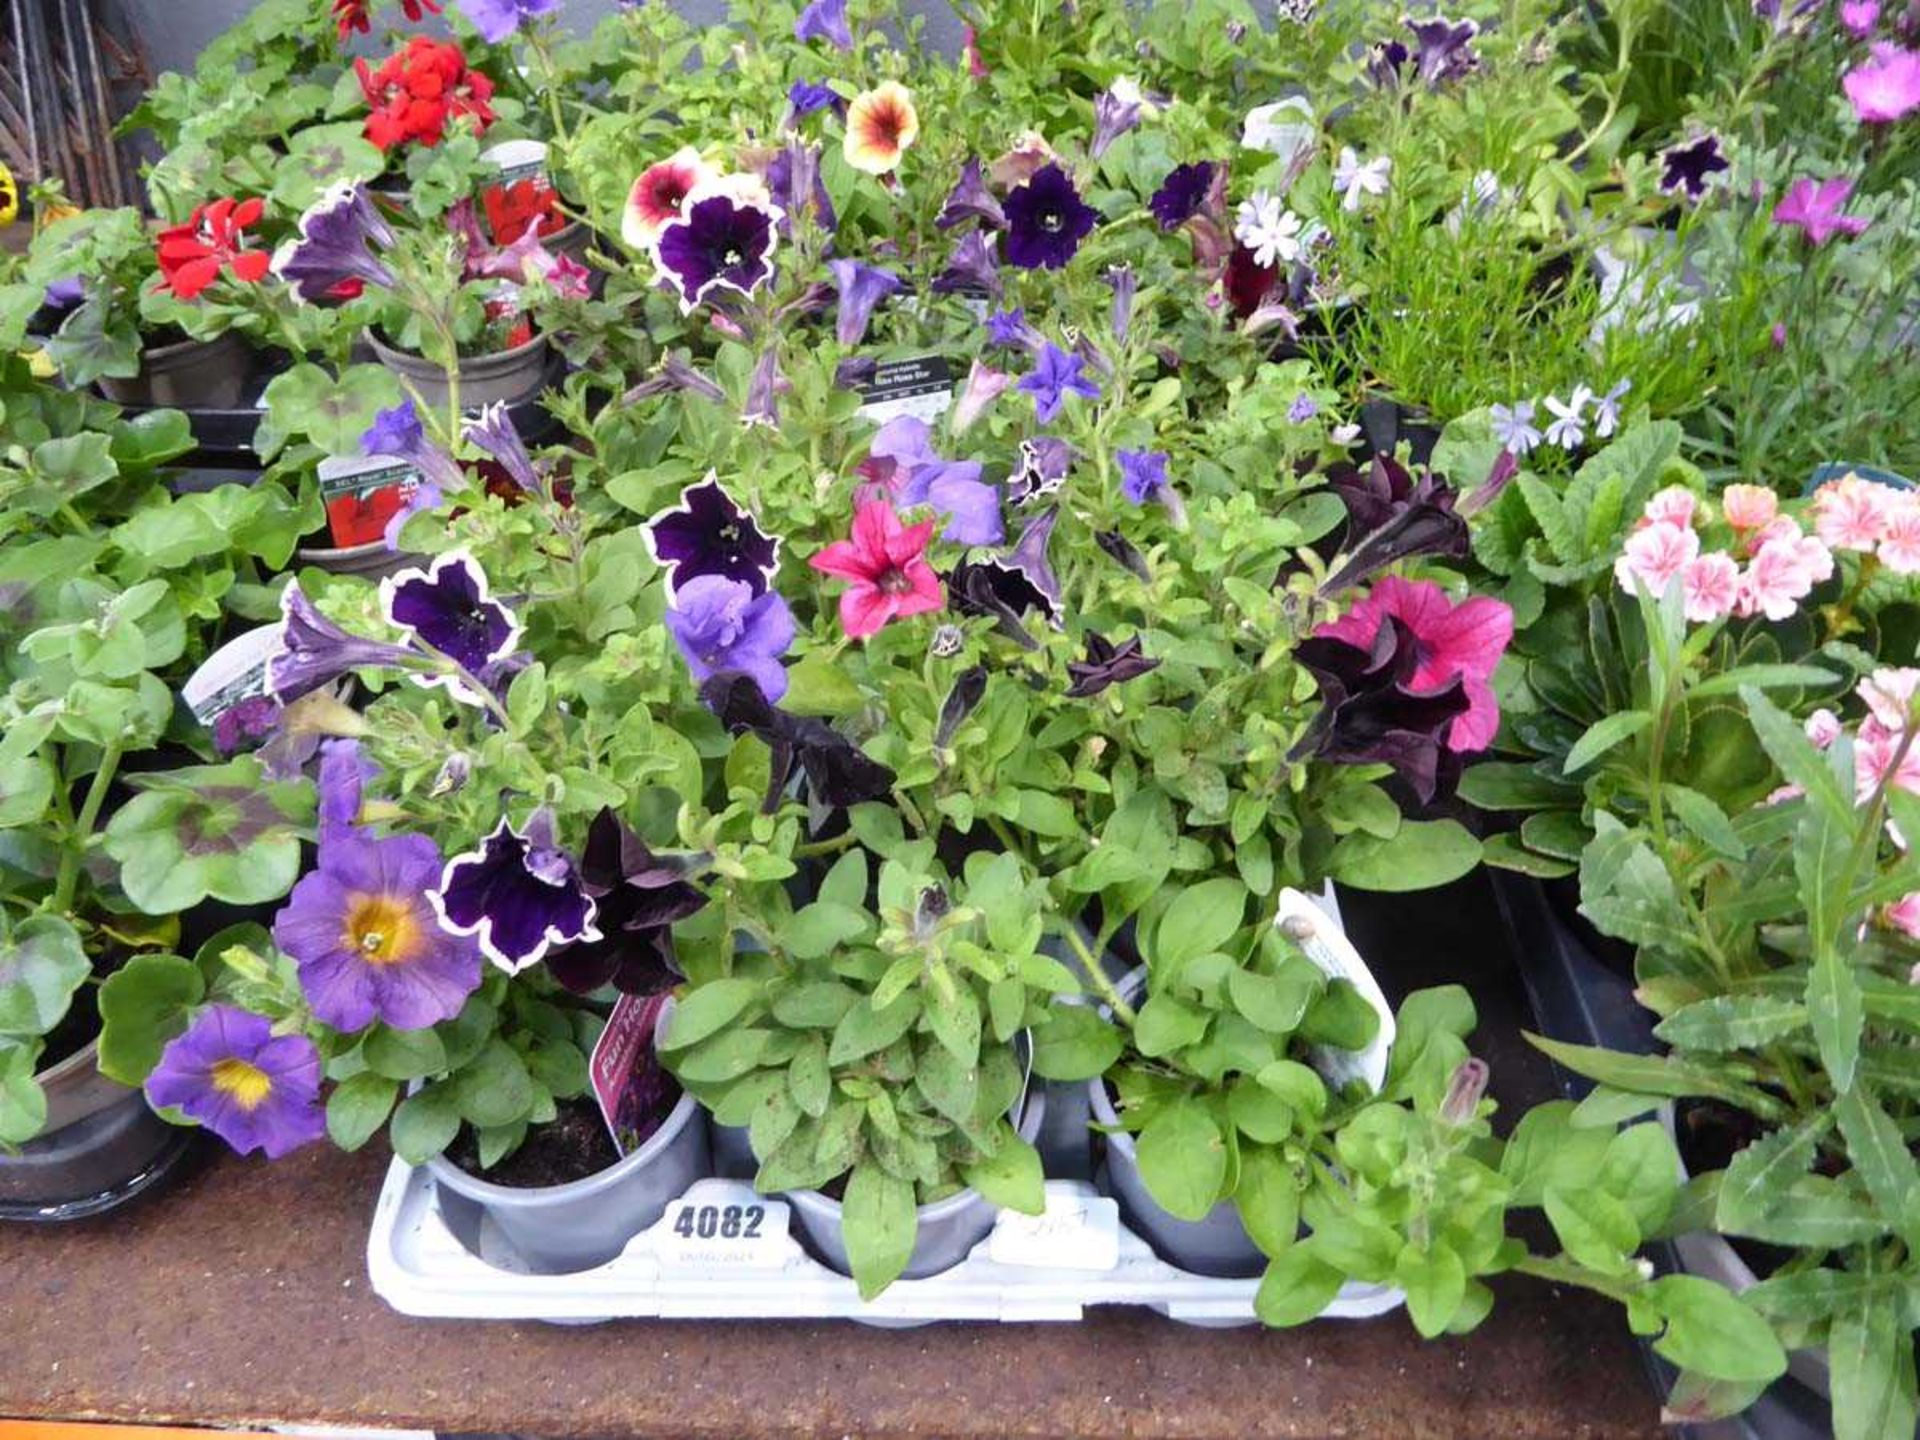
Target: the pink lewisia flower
pixel 1815 206
pixel 1851 513
pixel 1672 506
pixel 1900 542
pixel 1886 87
pixel 1823 728
pixel 1709 586
pixel 1860 17
pixel 659 195
pixel 1749 507
pixel 1655 555
pixel 1781 575
pixel 887 563
pixel 1904 915
pixel 1464 640
pixel 1874 750
pixel 1888 693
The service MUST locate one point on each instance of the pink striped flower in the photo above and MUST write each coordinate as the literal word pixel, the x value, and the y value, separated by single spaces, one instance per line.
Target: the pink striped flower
pixel 1749 507
pixel 1900 541
pixel 1779 577
pixel 1709 586
pixel 1851 513
pixel 1672 506
pixel 1655 555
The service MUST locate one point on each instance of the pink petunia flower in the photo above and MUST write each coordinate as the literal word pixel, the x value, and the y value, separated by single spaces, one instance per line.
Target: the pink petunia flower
pixel 1709 586
pixel 1851 513
pixel 1655 555
pixel 1749 507
pixel 887 563
pixel 1886 87
pixel 1672 506
pixel 1815 206
pixel 1464 640
pixel 1823 728
pixel 1900 542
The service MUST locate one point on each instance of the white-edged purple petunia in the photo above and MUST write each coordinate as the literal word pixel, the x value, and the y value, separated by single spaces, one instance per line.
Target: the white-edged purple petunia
pixel 338 236
pixel 448 609
pixel 707 533
pixel 517 895
pixel 722 239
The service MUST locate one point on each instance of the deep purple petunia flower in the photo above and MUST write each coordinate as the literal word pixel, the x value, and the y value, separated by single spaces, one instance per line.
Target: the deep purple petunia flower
pixel 722 624
pixel 1044 463
pixel 707 534
pixel 238 726
pixel 1442 48
pixel 448 609
pixel 255 1090
pixel 902 461
pixel 1112 118
pixel 824 20
pixel 494 432
pixel 314 651
pixel 496 20
pixel 1124 553
pixel 1009 584
pixel 640 896
pixel 1685 168
pixel 1143 474
pixel 336 243
pixel 973 269
pixel 718 242
pixel 807 96
pixel 676 373
pixel 838 772
pixel 1054 376
pixel 861 287
pixel 1816 205
pixel 1182 194
pixel 1371 714
pixel 1106 664
pixel 970 199
pixel 1010 328
pixel 516 895
pixel 1046 220
pixel 1392 515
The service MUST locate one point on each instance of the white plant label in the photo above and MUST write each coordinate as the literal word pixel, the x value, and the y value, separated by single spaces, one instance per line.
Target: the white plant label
pixel 1076 1232
pixel 921 387
pixel 724 1225
pixel 1322 941
pixel 236 671
pixel 518 160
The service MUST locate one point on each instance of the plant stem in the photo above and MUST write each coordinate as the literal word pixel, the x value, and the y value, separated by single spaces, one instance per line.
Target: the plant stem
pixel 1090 962
pixel 73 854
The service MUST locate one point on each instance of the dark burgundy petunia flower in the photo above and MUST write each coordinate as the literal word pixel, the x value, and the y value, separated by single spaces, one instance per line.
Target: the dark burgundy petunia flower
pixel 1686 168
pixel 640 896
pixel 1182 194
pixel 838 772
pixel 1014 581
pixel 1370 714
pixel 1124 553
pixel 969 688
pixel 708 534
pixel 1107 664
pixel 1392 515
pixel 1046 220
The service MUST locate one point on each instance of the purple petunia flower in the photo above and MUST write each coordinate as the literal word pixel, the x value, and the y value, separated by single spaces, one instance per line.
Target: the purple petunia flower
pixel 640 896
pixel 764 386
pixel 1055 375
pixel 1010 328
pixel 717 242
pixel 254 718
pixel 807 96
pixel 314 651
pixel 1009 584
pixel 64 294
pixel 721 624
pixel 707 534
pixel 1685 168
pixel 1106 664
pixel 1816 205
pixel 676 373
pixel 970 199
pixel 1113 117
pixel 1182 194
pixel 1044 463
pixel 902 461
pixel 398 433
pixel 1143 474
pixel 447 609
pixel 516 895
pixel 1442 48
pixel 1123 282
pixel 824 20
pixel 793 179
pixel 861 287
pixel 336 243
pixel 498 19
pixel 1303 409
pixel 368 945
pixel 493 431
pixel 1046 220
pixel 973 269
pixel 255 1090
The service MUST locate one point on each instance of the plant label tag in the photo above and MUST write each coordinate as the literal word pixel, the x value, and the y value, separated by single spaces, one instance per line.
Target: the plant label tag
pixel 921 387
pixel 724 1225
pixel 1075 1232
pixel 236 671
pixel 362 494
pixel 626 1077
pixel 1323 942
pixel 517 160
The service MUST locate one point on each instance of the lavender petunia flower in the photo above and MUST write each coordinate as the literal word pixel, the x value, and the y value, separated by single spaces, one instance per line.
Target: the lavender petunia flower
pixel 722 624
pixel 764 387
pixel 493 431
pixel 901 459
pixel 973 269
pixel 1106 664
pixel 1046 220
pixel 1123 282
pixel 824 20
pixel 1513 426
pixel 1009 328
pixel 676 373
pixel 1606 409
pixel 861 287
pixel 1054 376
pixel 314 651
pixel 255 1090
pixel 1044 462
pixel 336 243
pixel 1113 116
pixel 807 96
pixel 65 293
pixel 1303 409
pixel 1143 474
pixel 1687 167
pixel 970 199
pixel 793 179
pixel 706 533
pixel 517 895
pixel 838 772
pixel 982 388
pixel 496 20
pixel 447 609
pixel 399 434
pixel 718 242
pixel 640 897
pixel 1183 194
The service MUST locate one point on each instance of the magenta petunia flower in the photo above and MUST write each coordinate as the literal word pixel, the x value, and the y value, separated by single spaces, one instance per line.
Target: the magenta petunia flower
pixel 886 563
pixel 1815 206
pixel 254 1089
pixel 1886 87
pixel 1463 641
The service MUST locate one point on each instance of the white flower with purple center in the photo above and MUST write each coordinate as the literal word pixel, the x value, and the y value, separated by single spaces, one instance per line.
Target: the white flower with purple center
pixel 1268 229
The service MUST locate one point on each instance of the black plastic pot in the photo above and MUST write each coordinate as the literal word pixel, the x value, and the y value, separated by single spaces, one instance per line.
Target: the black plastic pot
pixel 192 372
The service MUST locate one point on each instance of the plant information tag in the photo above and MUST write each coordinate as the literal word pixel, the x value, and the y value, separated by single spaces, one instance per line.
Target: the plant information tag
pixel 1323 942
pixel 724 1224
pixel 1076 1232
pixel 921 387
pixel 236 671
pixel 625 1076
pixel 362 493
pixel 518 160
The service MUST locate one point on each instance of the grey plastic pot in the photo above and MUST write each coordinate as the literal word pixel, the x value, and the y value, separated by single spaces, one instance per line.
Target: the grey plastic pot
pixel 373 560
pixel 947 1230
pixel 510 376
pixel 191 375
pixel 560 1229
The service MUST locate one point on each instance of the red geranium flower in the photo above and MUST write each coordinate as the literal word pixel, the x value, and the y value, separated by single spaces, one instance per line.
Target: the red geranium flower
pixel 513 209
pixel 351 15
pixel 192 255
pixel 414 93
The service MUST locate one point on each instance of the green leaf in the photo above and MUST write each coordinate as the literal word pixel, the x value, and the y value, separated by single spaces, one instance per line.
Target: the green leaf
pixel 1732 1022
pixel 1201 919
pixel 1837 1012
pixel 1296 1288
pixel 865 1029
pixel 1268 1200
pixel 494 1087
pixel 1495 785
pixel 143 1005
pixel 705 1009
pixel 1870 1352
pixel 1603 735
pixel 1435 1282
pixel 358 1107
pixel 1276 1003
pixel 1761 677
pixel 1183 1159
pixel 1710 1331
pixel 1759 1178
pixel 1011 1176
pixel 42 964
pixel 1074 1044
pixel 819 929
pixel 425 1124
pixel 1665 1075
pixel 404 1054
pixel 23 1104
pixel 1419 856
pixel 1167 1023
pixel 1787 746
pixel 820 686
pixel 1882 1160
pixel 1705 819
pixel 1550 515
pixel 1505 852
pixel 878 1223
pixel 1596 1229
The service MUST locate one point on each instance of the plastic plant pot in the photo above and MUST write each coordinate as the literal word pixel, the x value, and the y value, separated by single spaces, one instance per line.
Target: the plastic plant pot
pixel 193 374
pixel 510 376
